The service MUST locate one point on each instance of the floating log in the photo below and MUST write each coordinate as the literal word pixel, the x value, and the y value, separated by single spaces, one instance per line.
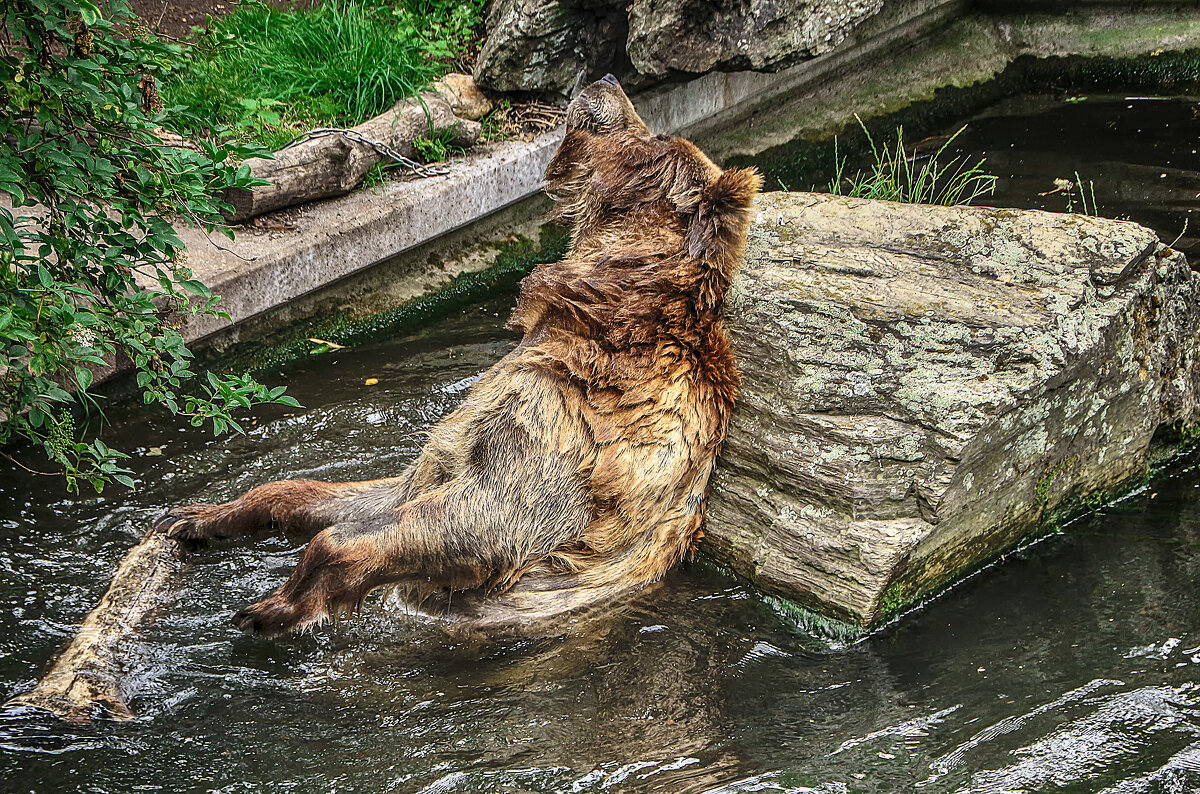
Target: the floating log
pixel 87 677
pixel 332 163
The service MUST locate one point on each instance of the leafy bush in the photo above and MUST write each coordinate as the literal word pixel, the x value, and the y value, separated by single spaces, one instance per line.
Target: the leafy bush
pixel 90 265
pixel 895 176
pixel 272 73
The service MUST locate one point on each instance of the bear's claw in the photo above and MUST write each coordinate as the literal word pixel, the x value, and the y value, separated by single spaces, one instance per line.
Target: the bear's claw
pixel 272 617
pixel 189 525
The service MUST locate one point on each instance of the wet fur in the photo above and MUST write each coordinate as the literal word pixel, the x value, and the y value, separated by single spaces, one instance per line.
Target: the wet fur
pixel 577 467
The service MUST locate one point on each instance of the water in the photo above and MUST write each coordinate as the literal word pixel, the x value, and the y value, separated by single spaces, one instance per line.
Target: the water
pixel 1072 666
pixel 1137 154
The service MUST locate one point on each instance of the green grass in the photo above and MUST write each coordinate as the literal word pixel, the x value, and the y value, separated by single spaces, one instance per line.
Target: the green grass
pixel 436 146
pixel 271 73
pixel 376 176
pixel 1085 192
pixel 894 175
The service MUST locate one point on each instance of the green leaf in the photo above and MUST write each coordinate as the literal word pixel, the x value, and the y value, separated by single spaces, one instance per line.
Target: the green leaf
pixel 195 287
pixel 13 189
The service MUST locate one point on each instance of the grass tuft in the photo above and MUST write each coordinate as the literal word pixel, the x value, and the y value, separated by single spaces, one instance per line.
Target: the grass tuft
pixel 270 73
pixel 438 145
pixel 896 176
pixel 1086 193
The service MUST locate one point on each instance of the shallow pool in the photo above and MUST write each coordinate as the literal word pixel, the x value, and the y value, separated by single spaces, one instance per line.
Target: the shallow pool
pixel 1136 155
pixel 1071 666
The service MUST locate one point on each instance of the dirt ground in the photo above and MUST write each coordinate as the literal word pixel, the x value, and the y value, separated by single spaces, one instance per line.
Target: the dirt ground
pixel 176 18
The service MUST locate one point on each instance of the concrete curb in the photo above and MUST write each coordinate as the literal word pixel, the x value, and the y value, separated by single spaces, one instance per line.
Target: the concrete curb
pixel 263 269
pixel 332 239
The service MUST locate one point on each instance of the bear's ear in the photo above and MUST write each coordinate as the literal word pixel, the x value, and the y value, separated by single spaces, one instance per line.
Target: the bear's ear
pixel 722 213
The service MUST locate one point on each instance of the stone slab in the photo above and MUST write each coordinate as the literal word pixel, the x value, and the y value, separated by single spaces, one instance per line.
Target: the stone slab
pixel 924 386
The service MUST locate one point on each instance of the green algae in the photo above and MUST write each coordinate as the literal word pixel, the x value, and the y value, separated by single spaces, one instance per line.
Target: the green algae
pixel 514 260
pixel 1051 474
pixel 830 630
pixel 895 599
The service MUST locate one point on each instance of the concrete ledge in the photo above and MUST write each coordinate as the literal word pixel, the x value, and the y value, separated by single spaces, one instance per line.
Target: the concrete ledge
pixel 265 269
pixel 901 56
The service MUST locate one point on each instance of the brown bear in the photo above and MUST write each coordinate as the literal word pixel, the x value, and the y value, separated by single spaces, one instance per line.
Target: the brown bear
pixel 577 467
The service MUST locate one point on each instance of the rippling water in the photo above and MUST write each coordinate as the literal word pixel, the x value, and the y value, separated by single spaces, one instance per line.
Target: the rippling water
pixel 1070 667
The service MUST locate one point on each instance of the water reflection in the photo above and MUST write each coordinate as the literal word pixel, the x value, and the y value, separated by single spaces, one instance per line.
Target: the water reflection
pixel 1137 155
pixel 1071 665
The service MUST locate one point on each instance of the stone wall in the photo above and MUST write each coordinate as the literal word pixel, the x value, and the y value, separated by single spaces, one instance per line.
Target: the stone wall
pixel 548 47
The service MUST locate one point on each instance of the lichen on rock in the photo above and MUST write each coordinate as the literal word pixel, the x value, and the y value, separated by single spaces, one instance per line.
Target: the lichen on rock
pixel 689 36
pixel 924 386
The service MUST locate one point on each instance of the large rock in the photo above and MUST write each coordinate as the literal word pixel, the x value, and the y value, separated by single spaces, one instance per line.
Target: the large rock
pixel 545 47
pixel 697 36
pixel 925 386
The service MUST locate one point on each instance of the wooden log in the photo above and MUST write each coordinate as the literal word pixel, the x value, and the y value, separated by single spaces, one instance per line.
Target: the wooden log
pixel 87 677
pixel 334 164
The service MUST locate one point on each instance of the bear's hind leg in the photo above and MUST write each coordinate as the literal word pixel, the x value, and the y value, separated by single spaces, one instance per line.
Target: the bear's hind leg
pixel 457 538
pixel 517 496
pixel 336 571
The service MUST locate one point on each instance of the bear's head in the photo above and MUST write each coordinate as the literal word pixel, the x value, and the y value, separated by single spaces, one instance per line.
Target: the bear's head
pixel 611 171
pixel 602 108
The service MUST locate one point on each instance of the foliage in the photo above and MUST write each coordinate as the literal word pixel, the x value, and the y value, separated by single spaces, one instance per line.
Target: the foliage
pixel 438 145
pixel 271 73
pixel 495 125
pixel 895 176
pixel 90 265
pixel 454 23
pixel 376 176
pixel 1085 193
